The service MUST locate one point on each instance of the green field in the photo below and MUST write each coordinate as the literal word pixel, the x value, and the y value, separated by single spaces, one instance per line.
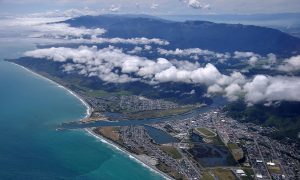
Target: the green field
pixel 172 151
pixel 249 172
pixel 274 169
pixel 159 113
pixel 207 176
pixel 236 151
pixel 211 136
pixel 233 146
pixel 206 132
pixel 224 174
pixel 102 93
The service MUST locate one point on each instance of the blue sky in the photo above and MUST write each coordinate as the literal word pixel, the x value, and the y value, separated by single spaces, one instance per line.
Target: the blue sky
pixel 158 6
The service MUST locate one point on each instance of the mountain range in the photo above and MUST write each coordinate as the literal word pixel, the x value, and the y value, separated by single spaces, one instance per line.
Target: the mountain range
pixel 189 34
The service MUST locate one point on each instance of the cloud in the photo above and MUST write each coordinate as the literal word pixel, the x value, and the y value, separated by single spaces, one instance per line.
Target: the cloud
pixel 67 14
pixel 291 64
pixel 49 28
pixel 135 50
pixel 185 64
pixel 138 6
pixel 167 6
pixel 154 6
pixel 195 53
pixel 93 62
pixel 239 55
pixel 196 4
pixel 215 89
pixel 114 8
pixel 111 64
pixel 206 55
pixel 250 57
pixel 147 47
pixel 64 31
pixel 272 59
pixel 269 89
pixel 135 41
pixel 261 89
pixel 172 74
pixel 253 60
pixel 233 91
pixel 185 52
pixel 159 70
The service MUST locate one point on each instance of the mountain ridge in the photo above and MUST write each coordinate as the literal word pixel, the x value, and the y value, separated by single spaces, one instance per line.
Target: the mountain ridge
pixel 190 34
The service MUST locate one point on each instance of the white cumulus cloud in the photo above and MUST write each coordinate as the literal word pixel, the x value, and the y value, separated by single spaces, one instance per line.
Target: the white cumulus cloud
pixel 63 30
pixel 291 64
pixel 195 53
pixel 111 64
pixel 268 89
pixel 114 8
pixel 161 70
pixel 197 4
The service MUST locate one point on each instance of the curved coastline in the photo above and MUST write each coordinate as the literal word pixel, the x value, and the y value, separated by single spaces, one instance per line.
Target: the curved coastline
pixel 129 154
pixel 89 111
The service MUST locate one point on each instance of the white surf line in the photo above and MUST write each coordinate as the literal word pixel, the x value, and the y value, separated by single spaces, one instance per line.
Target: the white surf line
pixel 129 154
pixel 88 110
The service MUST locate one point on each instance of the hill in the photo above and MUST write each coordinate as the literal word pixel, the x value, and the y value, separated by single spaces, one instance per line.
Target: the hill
pixel 283 116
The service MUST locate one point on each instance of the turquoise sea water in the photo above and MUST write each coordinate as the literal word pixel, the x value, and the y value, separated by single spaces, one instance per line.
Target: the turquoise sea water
pixel 30 148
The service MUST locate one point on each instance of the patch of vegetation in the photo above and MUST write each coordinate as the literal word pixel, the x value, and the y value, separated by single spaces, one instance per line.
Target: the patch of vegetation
pixel 159 113
pixel 207 175
pixel 274 169
pixel 217 141
pixel 284 116
pixel 111 133
pixel 206 132
pixel 214 138
pixel 170 129
pixel 172 151
pixel 232 146
pixel 166 169
pixel 102 93
pixel 249 172
pixel 224 174
pixel 236 151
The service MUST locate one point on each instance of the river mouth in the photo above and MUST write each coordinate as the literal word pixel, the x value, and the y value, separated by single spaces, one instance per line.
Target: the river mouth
pixel 218 103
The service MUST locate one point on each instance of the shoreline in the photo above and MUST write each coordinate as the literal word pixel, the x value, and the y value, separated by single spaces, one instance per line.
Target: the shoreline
pixel 89 111
pixel 89 108
pixel 129 154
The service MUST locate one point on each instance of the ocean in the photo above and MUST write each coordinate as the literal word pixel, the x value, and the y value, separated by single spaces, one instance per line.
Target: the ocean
pixel 31 107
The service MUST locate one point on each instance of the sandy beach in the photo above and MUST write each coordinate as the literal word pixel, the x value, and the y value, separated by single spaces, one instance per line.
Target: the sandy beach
pixel 131 155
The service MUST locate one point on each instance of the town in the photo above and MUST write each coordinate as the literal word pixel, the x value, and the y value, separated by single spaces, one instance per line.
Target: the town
pixel 207 145
pixel 128 103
